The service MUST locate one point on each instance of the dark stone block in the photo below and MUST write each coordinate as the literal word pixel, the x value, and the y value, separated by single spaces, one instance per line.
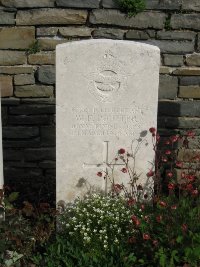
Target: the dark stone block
pixel 48 135
pixel 163 4
pixel 50 173
pixel 31 120
pixel 46 74
pixel 190 80
pixel 11 101
pixel 108 33
pixel 22 143
pixel 20 164
pixel 174 47
pixel 142 20
pixel 19 132
pixel 78 3
pixel 179 108
pixel 29 173
pixel 110 4
pixel 168 87
pixel 12 155
pixel 39 101
pixel 47 164
pixel 4 115
pixel 38 154
pixel 32 109
pixel 179 122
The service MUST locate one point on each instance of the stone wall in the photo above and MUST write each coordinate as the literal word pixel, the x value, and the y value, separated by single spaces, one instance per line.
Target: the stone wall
pixel 29 32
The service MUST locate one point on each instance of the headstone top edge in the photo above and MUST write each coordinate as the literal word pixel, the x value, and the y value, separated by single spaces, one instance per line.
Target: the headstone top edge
pixel 108 41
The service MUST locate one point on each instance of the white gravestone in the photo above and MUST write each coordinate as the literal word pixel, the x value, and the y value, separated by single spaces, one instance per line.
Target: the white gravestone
pixel 106 94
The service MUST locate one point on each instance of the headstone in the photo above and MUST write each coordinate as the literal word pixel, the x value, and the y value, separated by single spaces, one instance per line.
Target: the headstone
pixel 107 94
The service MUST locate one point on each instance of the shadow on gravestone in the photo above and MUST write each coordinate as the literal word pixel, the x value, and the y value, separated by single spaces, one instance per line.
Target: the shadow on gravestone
pixel 106 97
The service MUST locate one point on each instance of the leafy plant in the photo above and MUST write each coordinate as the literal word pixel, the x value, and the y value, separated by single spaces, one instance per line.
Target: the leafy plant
pixel 168 23
pixel 131 7
pixel 23 229
pixel 34 48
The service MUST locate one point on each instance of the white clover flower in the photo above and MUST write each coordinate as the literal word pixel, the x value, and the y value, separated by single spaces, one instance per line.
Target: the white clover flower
pixel 67 225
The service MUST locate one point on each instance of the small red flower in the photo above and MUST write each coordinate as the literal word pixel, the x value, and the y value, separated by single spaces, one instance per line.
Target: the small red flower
pixel 163 204
pixel 152 130
pixel 116 159
pixel 191 134
pixel 190 177
pixel 146 236
pixel 169 174
pixel 184 227
pixel 121 151
pixel 195 192
pixel 179 164
pixel 124 170
pixel 173 207
pixel 142 207
pixel 150 173
pixel 174 138
pixel 99 174
pixel 171 186
pixel 168 152
pixel 159 218
pixel 155 243
pixel 164 159
pixel 189 187
pixel 167 142
pixel 157 137
pixel 135 220
pixel 117 188
pixel 131 201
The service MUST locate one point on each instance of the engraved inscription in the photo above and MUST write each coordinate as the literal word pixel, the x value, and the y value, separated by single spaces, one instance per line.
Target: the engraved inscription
pixel 106 121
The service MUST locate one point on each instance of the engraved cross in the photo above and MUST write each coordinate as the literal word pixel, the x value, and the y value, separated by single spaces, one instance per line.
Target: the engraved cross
pixel 104 165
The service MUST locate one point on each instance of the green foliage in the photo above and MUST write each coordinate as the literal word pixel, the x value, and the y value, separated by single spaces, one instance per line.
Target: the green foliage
pixel 124 228
pixel 131 7
pixel 69 253
pixel 23 229
pixel 97 222
pixel 34 48
pixel 168 23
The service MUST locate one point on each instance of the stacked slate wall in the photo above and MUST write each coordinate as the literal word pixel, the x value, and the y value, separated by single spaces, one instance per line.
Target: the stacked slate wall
pixel 29 33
